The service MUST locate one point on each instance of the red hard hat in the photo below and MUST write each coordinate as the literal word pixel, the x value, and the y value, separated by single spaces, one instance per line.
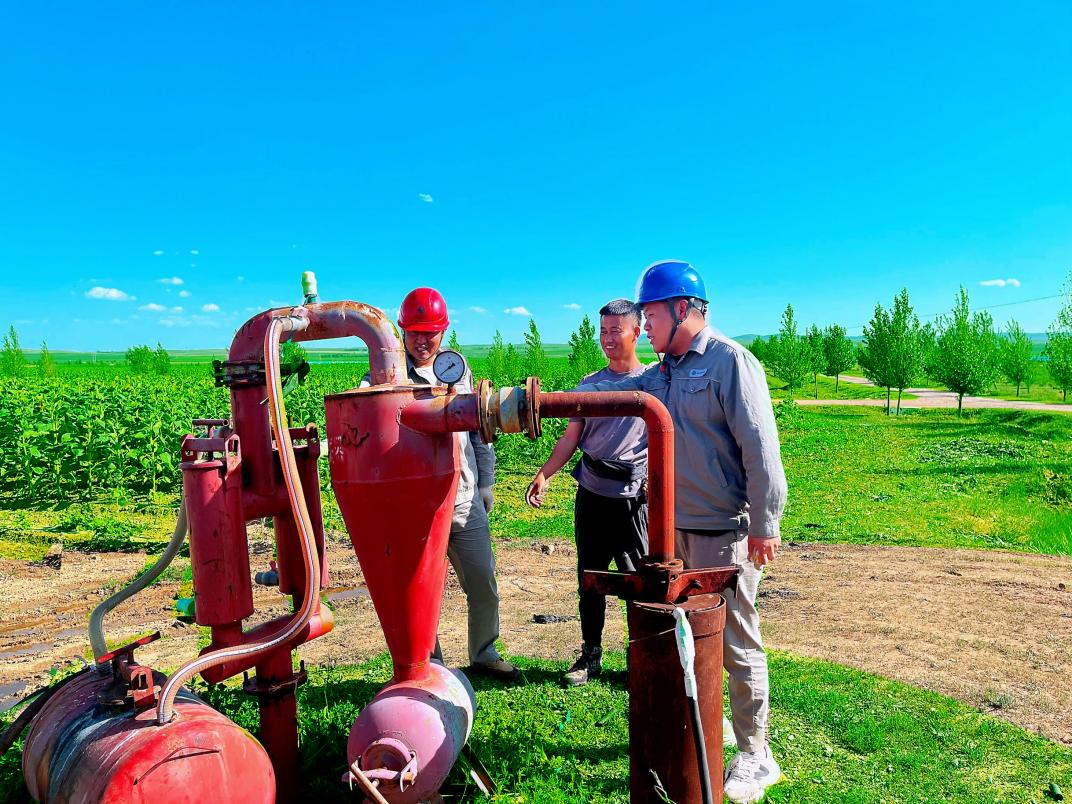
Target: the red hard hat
pixel 424 310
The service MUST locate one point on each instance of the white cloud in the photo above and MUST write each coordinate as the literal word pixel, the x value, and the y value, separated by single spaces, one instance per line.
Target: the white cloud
pixel 517 311
pixel 185 294
pixel 210 308
pixel 194 251
pixel 426 198
pixel 158 253
pixel 171 280
pixel 1000 283
pixel 176 309
pixel 153 307
pixel 109 294
pixel 572 306
pixel 479 310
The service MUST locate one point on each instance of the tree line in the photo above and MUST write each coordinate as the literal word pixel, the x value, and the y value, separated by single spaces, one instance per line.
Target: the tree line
pixel 961 350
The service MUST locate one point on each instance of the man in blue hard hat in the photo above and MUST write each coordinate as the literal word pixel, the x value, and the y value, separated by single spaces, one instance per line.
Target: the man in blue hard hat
pixel 729 487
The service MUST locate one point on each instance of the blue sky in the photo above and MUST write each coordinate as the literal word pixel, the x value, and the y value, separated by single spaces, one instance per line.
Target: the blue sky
pixel 527 157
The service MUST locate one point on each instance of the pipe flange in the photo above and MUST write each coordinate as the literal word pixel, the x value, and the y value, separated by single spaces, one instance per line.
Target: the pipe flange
pixel 532 408
pixel 484 394
pixel 275 689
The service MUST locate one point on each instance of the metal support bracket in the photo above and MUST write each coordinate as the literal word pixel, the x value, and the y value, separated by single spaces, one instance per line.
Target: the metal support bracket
pixel 660 583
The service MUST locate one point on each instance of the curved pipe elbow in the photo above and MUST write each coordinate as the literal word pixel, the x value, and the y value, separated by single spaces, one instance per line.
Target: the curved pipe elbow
pixel 341 319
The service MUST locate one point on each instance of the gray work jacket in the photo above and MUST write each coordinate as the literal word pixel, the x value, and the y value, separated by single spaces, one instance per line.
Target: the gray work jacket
pixel 477 458
pixel 728 466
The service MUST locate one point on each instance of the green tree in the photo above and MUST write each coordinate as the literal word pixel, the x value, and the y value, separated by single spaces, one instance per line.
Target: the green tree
pixel 496 360
pixel 838 353
pixel 906 356
pixel 46 364
pixel 535 357
pixel 1058 351
pixel 585 355
pixel 813 339
pixel 12 359
pixel 966 350
pixel 161 360
pixel 759 348
pixel 513 371
pixel 928 338
pixel 1015 355
pixel 453 342
pixel 140 359
pixel 790 359
pixel 874 352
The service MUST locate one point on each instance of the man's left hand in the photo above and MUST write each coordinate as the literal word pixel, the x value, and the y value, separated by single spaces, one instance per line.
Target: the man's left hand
pixel 487 496
pixel 762 549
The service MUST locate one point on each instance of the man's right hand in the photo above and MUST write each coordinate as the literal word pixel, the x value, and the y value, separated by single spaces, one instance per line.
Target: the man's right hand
pixel 537 490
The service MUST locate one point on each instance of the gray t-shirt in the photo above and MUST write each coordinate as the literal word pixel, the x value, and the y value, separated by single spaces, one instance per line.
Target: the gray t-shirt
pixel 622 438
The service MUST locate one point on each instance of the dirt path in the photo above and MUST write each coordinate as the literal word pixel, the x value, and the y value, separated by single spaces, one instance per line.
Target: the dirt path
pixel 931 398
pixel 992 629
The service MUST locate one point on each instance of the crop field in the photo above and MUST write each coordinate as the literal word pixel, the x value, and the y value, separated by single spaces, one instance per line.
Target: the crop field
pixel 88 461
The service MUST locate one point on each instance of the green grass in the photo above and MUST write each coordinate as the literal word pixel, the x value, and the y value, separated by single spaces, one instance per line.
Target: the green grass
pixel 1040 390
pixel 839 734
pixel 824 388
pixel 989 479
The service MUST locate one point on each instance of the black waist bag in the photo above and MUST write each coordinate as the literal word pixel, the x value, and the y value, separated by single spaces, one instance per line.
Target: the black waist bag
pixel 621 471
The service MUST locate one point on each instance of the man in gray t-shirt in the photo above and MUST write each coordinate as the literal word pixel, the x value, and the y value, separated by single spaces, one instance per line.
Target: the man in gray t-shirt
pixel 610 517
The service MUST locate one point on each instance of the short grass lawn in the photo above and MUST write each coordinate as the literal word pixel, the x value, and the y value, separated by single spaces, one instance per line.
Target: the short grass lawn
pixel 839 734
pixel 988 479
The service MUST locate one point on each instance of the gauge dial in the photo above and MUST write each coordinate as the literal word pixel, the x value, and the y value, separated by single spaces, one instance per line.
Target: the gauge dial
pixel 449 367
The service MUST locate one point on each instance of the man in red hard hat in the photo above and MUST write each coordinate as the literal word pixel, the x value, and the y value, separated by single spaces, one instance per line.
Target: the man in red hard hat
pixel 423 320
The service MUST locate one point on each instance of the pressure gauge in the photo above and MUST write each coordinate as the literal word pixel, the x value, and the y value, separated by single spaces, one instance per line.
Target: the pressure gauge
pixel 449 367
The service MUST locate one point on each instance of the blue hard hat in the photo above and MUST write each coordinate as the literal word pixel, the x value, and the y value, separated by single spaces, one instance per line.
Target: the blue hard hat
pixel 670 279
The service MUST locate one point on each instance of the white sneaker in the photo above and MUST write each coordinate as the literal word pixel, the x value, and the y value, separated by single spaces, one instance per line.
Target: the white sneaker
pixel 729 739
pixel 749 775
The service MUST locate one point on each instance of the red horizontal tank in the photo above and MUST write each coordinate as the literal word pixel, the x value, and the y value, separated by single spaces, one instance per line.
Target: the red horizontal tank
pixel 80 750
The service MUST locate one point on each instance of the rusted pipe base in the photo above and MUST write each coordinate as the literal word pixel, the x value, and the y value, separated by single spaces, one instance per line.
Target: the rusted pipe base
pixel 662 751
pixel 660 583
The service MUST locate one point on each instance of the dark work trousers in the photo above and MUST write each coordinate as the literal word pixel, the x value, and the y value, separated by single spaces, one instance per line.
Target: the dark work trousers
pixel 606 528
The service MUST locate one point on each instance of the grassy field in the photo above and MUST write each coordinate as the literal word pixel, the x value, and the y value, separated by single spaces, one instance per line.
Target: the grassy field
pixel 1040 389
pixel 839 734
pixel 990 479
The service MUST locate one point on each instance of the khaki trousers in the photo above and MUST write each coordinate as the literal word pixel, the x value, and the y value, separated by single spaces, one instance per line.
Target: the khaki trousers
pixel 469 551
pixel 742 644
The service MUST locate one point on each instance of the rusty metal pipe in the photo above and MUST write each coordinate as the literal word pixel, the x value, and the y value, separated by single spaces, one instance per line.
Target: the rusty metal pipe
pixel 387 357
pixel 442 413
pixel 601 404
pixel 310 604
pixel 387 364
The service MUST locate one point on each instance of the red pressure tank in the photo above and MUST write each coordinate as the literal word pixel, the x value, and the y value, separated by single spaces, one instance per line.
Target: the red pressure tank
pixel 82 750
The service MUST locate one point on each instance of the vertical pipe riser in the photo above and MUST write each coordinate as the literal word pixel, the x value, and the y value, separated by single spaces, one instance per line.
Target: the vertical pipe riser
pixel 660 725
